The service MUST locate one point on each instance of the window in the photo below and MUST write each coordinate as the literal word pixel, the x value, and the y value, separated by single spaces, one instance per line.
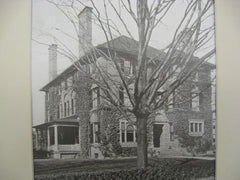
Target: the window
pixel 92 68
pixel 51 134
pixel 95 132
pixel 127 132
pixel 58 111
pixel 171 132
pixel 65 109
pixel 96 97
pixel 48 115
pixel 73 106
pixel 68 108
pixel 196 77
pixel 47 96
pixel 90 99
pixel 70 81
pixel 121 95
pixel 171 100
pixel 68 135
pixel 196 127
pixel 127 67
pixel 195 99
pixel 59 90
pixel 61 111
pixel 63 85
pixel 75 76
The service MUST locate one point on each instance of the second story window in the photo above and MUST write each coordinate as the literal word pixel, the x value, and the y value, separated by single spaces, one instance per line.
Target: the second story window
pixel 68 108
pixel 58 111
pixel 48 115
pixel 171 101
pixel 121 95
pixel 73 106
pixel 47 96
pixel 96 97
pixel 65 109
pixel 195 103
pixel 127 67
pixel 63 85
pixel 61 111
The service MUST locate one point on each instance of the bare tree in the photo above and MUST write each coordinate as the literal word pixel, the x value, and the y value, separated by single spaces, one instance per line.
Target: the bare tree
pixel 155 78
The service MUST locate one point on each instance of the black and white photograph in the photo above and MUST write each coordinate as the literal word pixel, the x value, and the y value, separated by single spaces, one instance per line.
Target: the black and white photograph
pixel 123 90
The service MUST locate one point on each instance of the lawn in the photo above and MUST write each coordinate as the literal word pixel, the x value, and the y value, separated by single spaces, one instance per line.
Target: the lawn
pixel 123 169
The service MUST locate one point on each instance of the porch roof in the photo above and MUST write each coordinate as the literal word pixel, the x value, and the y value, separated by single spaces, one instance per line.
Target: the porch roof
pixel 60 122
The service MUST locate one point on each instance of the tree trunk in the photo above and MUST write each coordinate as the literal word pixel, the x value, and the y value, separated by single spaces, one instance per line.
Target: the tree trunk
pixel 142 158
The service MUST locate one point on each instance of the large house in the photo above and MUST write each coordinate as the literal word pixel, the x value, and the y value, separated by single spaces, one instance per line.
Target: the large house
pixel 75 128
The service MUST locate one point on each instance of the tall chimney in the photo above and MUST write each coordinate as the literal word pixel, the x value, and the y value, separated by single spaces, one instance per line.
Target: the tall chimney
pixel 85 30
pixel 52 50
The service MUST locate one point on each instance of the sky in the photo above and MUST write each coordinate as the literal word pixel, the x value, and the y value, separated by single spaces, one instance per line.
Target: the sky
pixel 48 21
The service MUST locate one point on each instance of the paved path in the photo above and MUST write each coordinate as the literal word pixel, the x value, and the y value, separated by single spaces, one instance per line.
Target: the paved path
pixel 191 157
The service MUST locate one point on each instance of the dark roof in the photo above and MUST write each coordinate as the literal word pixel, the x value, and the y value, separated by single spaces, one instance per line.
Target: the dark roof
pixel 120 44
pixel 63 121
pixel 128 45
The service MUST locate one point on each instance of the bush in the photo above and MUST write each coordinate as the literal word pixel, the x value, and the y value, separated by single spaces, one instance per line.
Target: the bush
pixel 150 173
pixel 129 151
pixel 195 145
pixel 40 154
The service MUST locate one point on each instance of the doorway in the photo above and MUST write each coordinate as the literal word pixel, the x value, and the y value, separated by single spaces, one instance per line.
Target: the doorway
pixel 157 131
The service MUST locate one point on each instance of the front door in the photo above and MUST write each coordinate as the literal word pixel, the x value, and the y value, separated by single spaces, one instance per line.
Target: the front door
pixel 157 131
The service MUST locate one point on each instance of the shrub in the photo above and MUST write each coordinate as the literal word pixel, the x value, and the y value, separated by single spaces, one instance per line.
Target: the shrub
pixel 195 145
pixel 150 173
pixel 40 154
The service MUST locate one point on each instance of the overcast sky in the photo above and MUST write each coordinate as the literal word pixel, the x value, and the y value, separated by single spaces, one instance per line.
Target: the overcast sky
pixel 46 18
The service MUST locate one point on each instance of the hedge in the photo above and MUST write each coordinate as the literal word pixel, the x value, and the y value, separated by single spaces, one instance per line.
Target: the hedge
pixel 150 173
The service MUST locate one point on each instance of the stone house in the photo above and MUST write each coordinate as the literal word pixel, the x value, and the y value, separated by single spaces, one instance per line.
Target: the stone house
pixel 74 128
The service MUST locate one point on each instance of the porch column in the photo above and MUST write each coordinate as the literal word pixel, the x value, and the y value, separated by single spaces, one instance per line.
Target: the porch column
pixel 48 138
pixel 56 136
pixel 134 134
pixel 79 134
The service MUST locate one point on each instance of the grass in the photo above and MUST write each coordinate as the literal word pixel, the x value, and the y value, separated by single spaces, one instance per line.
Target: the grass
pixel 51 166
pixel 45 168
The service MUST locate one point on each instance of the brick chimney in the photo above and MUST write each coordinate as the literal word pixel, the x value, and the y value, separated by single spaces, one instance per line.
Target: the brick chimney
pixel 52 50
pixel 85 30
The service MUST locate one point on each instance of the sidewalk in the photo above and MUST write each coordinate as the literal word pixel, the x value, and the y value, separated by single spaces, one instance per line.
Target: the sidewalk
pixel 191 157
